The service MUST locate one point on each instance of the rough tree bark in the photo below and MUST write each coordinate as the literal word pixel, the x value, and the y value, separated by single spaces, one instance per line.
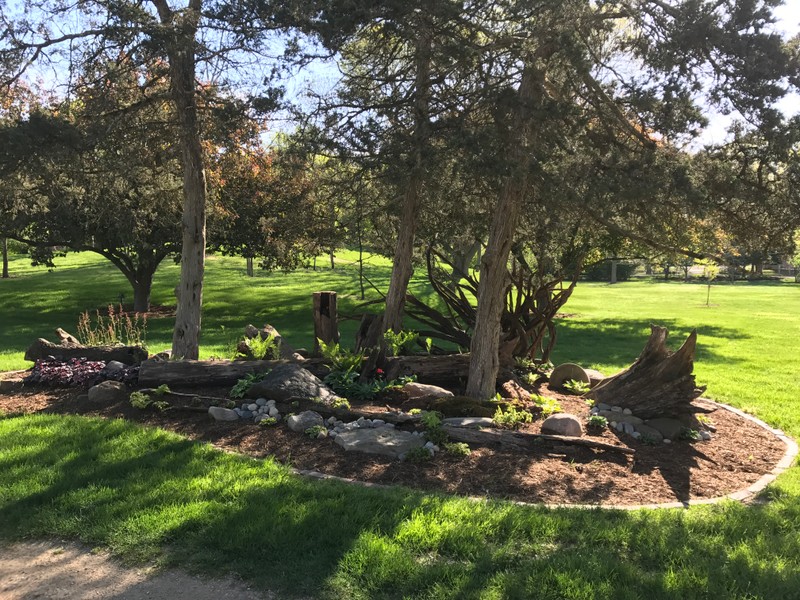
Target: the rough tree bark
pixel 5 258
pixel 484 359
pixel 659 383
pixel 182 27
pixel 412 199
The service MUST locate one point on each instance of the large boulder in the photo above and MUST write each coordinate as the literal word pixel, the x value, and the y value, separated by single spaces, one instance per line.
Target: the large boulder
pixel 291 382
pixel 108 392
pixel 562 424
pixel 222 414
pixel 305 420
pixel 384 441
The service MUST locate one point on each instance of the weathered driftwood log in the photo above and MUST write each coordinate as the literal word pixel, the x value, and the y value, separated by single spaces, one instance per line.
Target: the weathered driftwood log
pixel 129 355
pixel 213 373
pixel 443 370
pixel 516 439
pixel 658 383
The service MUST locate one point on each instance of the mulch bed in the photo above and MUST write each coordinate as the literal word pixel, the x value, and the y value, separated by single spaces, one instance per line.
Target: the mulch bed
pixel 738 455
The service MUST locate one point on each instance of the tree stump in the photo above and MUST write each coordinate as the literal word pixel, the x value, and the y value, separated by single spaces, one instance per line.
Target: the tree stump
pixel 326 327
pixel 659 383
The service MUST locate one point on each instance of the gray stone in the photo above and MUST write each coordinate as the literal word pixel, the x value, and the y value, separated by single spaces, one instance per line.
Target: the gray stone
pixel 252 407
pixel 306 419
pixel 650 433
pixel 288 382
pixel 566 372
pixel 620 417
pixel 595 376
pixel 469 421
pixel 668 427
pixel 246 414
pixel 620 427
pixel 666 441
pixel 222 414
pixel 108 392
pixel 628 428
pixel 419 390
pixel 616 409
pixel 378 422
pixel 627 411
pixel 383 441
pixel 113 366
pixel 261 401
pixel 636 435
pixel 562 424
pixel 333 433
pixel 602 406
pixel 705 435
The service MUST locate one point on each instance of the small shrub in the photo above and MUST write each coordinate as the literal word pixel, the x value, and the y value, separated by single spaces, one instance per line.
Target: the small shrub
pixel 268 422
pixel 313 432
pixel 161 405
pixel 140 400
pixel 161 390
pixel 511 418
pixel 549 406
pixel 418 455
pixel 415 411
pixel 687 433
pixel 576 387
pixel 341 403
pixel 457 448
pixel 266 348
pixel 245 383
pixel 431 418
pixel 400 342
pixel 597 422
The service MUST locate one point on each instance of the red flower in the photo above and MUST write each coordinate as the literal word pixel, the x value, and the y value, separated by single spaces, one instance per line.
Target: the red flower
pixel 379 371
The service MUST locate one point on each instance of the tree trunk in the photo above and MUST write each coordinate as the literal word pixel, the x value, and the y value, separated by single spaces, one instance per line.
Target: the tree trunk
pixel 141 291
pixel 181 52
pixel 326 317
pixel 249 261
pixel 5 258
pixel 659 383
pixel 412 199
pixel 485 346
pixel 613 271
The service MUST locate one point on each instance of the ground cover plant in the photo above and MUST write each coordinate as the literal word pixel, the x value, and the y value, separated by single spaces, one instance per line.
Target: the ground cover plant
pixel 152 495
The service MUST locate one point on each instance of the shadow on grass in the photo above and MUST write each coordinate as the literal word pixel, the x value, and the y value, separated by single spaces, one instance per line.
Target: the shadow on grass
pixel 150 494
pixel 592 342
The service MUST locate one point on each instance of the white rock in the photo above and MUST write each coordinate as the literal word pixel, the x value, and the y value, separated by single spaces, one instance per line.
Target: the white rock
pixel 270 402
pixel 419 390
pixel 429 445
pixel 705 436
pixel 322 434
pixel 223 414
pixel 252 407
pixel 667 441
pixel 273 411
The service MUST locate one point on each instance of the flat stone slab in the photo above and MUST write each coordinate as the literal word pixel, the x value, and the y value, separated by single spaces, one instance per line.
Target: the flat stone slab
pixel 420 390
pixel 383 441
pixel 469 421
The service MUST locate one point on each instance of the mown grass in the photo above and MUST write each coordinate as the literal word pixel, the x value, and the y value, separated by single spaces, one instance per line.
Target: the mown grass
pixel 152 495
pixel 148 494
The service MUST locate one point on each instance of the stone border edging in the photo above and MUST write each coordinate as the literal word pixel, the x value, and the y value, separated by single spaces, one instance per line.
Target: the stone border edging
pixel 744 495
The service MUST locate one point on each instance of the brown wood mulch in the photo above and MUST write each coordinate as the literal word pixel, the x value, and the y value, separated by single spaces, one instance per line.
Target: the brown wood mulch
pixel 737 456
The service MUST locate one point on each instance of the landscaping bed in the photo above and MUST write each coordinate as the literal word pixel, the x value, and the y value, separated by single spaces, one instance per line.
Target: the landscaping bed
pixel 739 453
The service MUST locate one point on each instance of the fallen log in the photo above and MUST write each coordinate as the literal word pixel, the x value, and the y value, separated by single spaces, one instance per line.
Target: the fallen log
pixel 129 355
pixel 449 370
pixel 659 383
pixel 516 439
pixel 214 373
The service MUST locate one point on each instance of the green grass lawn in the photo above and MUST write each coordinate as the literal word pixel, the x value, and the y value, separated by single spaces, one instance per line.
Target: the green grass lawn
pixel 151 495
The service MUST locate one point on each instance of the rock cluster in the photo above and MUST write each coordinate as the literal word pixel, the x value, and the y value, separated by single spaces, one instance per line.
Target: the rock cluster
pixel 661 429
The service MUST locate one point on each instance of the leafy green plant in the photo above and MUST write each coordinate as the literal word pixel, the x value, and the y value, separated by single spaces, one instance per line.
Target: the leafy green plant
pixel 266 348
pixel 511 417
pixel 161 405
pixel 431 418
pixel 400 342
pixel 549 406
pixel 415 411
pixel 245 383
pixel 340 359
pixel 418 455
pixel 268 422
pixel 456 448
pixel 313 432
pixel 341 403
pixel 140 400
pixel 428 345
pixel 576 387
pixel 162 390
pixel 432 421
pixel 597 422
pixel 687 433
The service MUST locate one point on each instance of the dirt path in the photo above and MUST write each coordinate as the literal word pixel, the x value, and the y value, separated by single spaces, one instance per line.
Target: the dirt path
pixel 53 571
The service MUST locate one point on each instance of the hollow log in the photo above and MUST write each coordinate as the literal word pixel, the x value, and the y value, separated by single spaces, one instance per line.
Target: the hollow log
pixel 213 373
pixel 659 383
pixel 129 355
pixel 519 440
